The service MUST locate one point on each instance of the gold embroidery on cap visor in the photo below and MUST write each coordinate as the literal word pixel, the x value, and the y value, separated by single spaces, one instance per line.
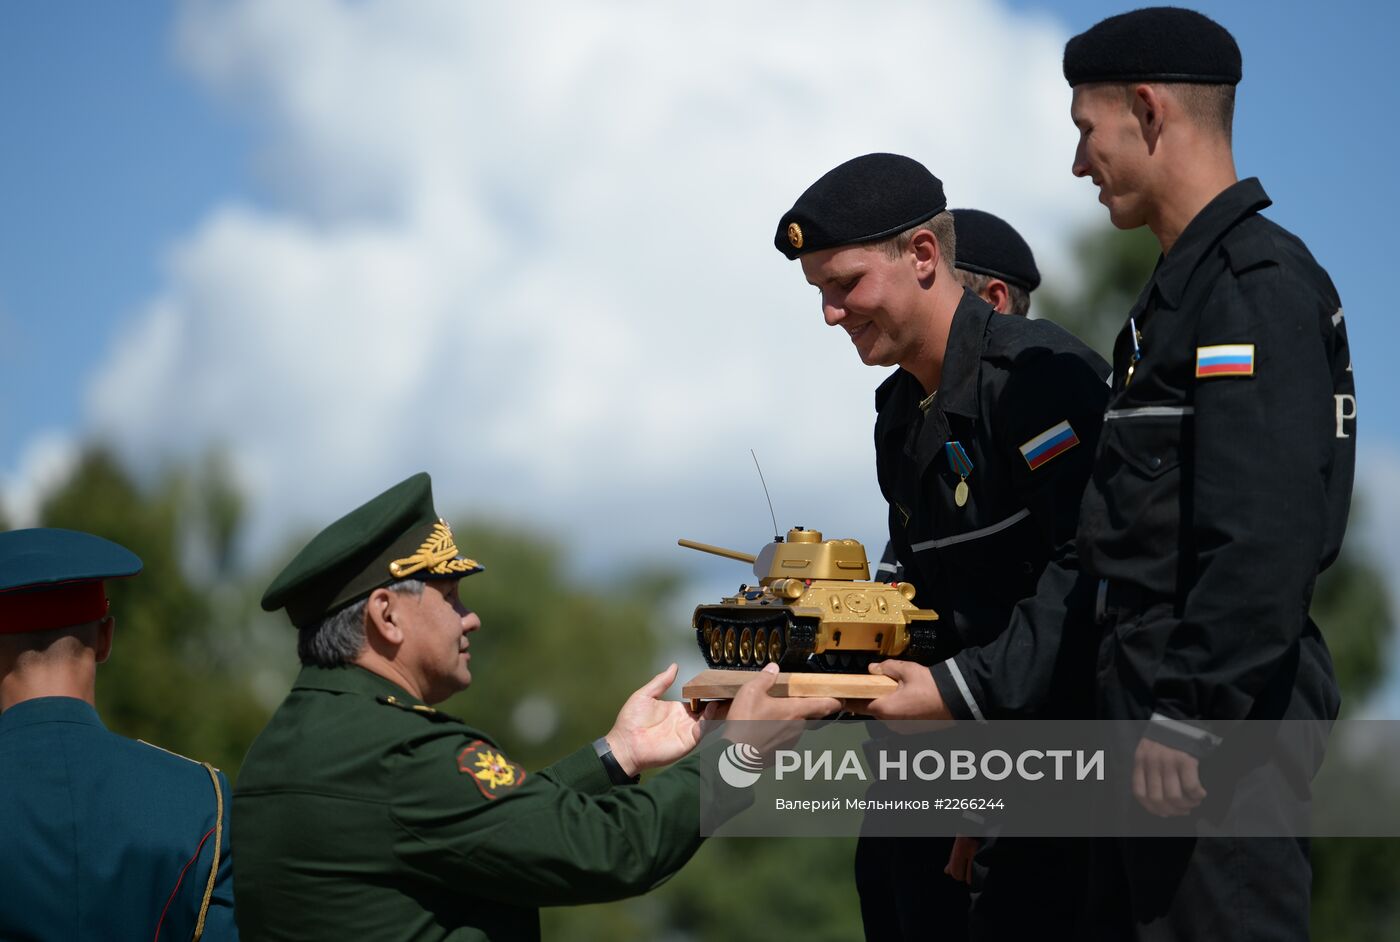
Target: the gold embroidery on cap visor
pixel 795 235
pixel 438 555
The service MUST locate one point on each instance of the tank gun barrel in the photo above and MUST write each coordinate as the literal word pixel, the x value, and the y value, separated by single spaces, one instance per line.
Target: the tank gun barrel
pixel 717 551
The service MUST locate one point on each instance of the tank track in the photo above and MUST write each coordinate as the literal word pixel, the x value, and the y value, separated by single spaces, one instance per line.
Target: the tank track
pixel 799 638
pixel 928 645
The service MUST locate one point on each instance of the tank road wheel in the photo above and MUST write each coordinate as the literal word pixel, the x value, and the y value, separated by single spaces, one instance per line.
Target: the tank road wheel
pixel 746 647
pixel 775 645
pixel 730 645
pixel 716 647
pixel 760 647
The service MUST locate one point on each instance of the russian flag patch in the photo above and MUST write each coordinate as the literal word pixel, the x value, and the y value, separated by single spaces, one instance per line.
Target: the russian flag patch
pixel 1231 359
pixel 1055 440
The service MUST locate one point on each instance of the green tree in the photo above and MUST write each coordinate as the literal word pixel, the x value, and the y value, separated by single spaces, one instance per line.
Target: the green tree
pixel 177 676
pixel 1113 265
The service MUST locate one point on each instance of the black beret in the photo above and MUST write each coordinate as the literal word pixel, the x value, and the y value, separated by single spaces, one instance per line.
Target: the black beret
pixel 868 198
pixel 989 246
pixel 1157 44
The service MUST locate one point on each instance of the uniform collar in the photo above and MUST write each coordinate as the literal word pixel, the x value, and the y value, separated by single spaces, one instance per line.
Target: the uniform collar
pixel 962 357
pixel 50 710
pixel 1232 204
pixel 351 679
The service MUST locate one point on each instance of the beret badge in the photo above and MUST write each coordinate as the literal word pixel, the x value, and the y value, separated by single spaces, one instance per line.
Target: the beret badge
pixel 794 234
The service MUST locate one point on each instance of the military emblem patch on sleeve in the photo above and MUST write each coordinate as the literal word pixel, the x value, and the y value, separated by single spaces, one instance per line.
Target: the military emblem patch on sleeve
pixel 488 767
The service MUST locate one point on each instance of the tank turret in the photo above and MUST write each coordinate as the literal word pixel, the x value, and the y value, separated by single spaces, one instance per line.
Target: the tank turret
pixel 814 608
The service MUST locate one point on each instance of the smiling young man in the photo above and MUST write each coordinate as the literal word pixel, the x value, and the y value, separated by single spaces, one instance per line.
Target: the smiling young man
pixel 983 441
pixel 363 813
pixel 1220 491
pixel 1233 398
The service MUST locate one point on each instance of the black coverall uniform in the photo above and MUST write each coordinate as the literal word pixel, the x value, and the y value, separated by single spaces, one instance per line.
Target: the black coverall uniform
pixel 1024 399
pixel 1220 490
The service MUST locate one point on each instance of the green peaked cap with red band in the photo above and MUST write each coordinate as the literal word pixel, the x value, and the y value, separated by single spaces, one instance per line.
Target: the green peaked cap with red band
pixel 396 536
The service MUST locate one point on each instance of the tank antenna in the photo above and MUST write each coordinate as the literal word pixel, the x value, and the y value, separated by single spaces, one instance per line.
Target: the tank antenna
pixel 777 538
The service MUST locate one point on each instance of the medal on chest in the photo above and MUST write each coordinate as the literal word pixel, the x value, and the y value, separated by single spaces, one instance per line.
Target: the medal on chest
pixel 962 467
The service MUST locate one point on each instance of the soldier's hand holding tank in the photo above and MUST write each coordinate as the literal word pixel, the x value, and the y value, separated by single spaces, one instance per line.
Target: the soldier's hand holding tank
pixel 650 732
pixel 916 697
pixel 766 722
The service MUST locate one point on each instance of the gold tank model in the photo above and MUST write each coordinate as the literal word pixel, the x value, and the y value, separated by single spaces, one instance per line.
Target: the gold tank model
pixel 814 608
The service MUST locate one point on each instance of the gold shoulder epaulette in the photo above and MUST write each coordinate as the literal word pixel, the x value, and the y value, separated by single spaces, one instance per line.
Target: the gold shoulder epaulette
pixel 418 708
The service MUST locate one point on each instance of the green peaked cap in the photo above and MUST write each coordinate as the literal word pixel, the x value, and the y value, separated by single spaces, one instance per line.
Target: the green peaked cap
pixel 396 536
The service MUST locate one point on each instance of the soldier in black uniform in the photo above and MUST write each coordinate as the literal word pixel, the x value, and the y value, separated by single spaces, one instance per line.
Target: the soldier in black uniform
pixel 1220 489
pixel 995 263
pixel 983 440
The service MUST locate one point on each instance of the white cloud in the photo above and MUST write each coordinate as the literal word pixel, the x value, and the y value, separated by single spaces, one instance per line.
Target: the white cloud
pixel 46 462
pixel 528 247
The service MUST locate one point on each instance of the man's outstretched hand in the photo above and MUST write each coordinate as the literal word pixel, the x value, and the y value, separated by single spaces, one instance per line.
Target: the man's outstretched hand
pixel 651 732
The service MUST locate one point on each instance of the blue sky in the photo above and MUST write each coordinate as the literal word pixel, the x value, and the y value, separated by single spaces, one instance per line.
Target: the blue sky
pixel 215 214
pixel 111 152
pixel 114 150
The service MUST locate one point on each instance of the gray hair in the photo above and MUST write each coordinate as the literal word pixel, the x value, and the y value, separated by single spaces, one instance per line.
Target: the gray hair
pixel 1018 298
pixel 340 637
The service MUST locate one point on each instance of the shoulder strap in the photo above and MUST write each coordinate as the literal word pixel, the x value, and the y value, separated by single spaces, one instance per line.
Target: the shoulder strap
pixel 218 846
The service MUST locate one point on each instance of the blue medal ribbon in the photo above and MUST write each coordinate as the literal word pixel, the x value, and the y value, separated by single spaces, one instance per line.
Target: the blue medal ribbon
pixel 958 459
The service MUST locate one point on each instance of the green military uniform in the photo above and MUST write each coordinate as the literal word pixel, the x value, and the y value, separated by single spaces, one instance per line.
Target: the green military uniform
pixel 386 819
pixel 362 813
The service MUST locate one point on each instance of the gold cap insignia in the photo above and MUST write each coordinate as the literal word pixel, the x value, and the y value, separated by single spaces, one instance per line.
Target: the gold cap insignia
pixel 438 555
pixel 795 235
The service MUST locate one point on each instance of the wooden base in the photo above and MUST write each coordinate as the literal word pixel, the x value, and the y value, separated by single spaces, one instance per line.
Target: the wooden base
pixel 723 685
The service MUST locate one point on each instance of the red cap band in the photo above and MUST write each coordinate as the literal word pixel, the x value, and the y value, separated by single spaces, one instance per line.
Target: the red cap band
pixel 75 603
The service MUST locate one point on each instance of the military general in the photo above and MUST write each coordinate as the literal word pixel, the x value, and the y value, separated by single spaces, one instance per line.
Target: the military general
pixel 364 813
pixel 104 837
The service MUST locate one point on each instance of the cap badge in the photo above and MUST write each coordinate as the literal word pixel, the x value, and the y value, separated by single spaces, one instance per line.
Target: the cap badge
pixel 795 235
pixel 438 555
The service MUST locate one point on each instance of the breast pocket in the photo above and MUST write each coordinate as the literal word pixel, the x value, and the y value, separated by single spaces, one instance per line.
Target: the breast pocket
pixel 1140 474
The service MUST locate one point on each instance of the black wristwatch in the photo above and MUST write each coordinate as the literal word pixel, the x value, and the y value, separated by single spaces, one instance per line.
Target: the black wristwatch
pixel 610 763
